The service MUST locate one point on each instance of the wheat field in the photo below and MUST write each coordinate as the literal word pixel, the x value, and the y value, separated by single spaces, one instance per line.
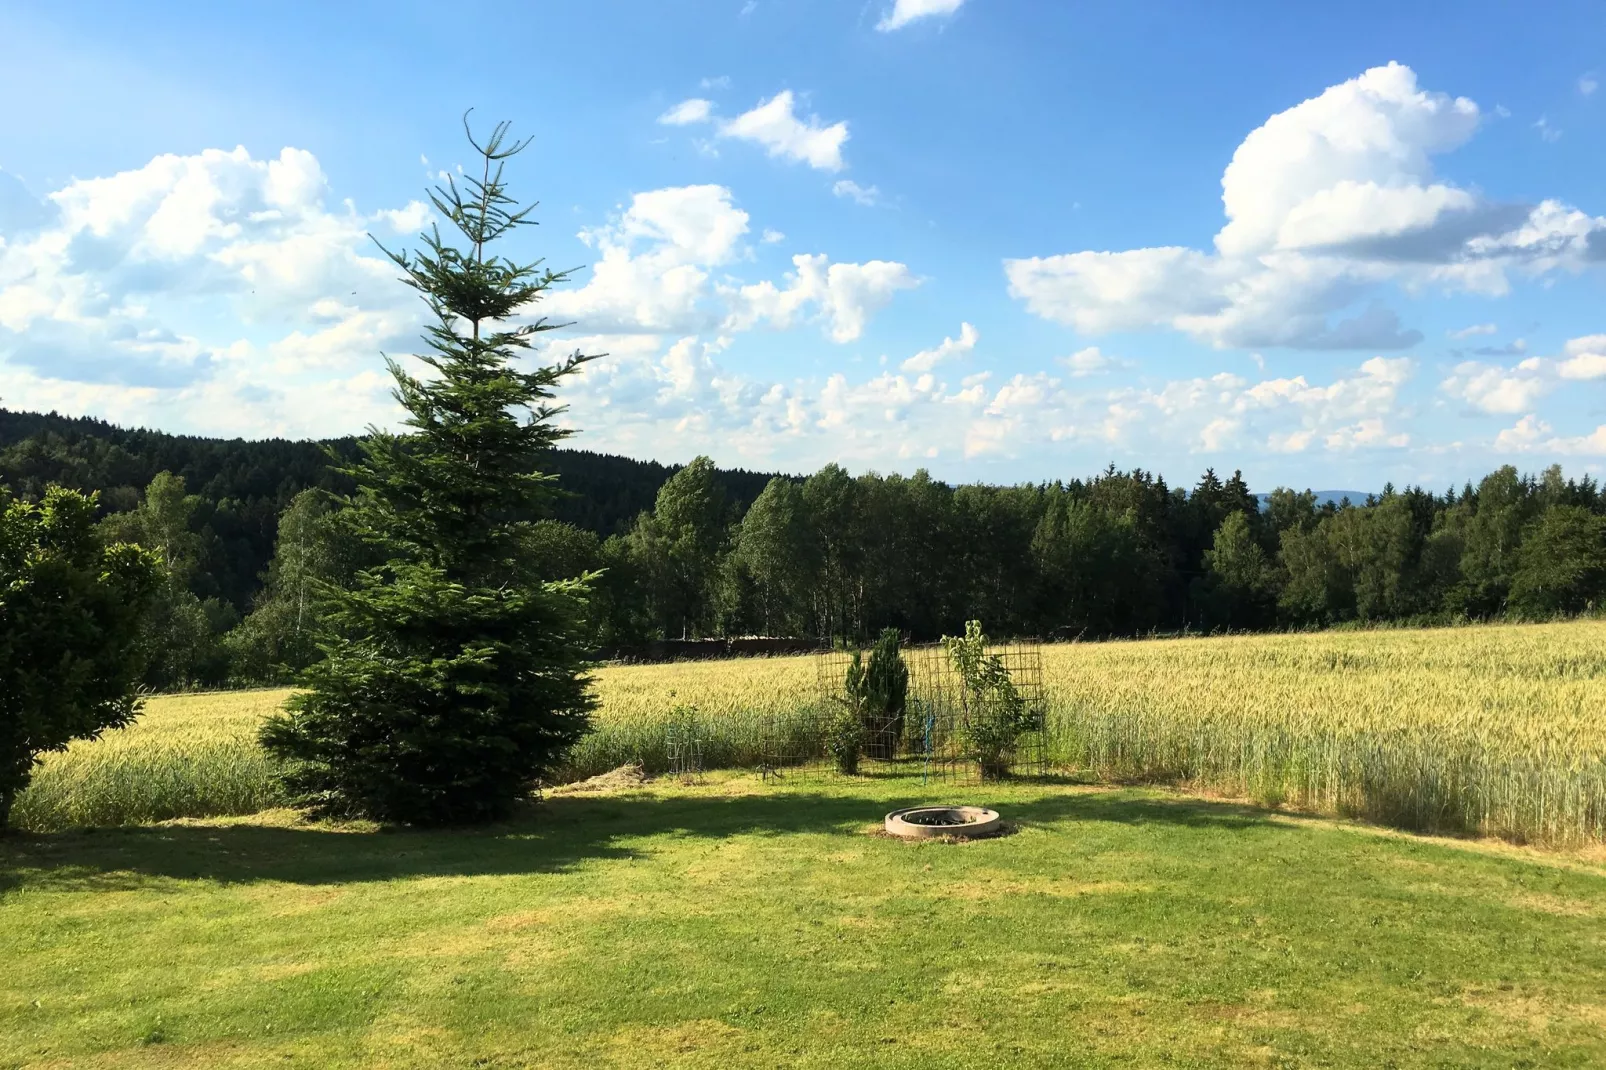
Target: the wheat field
pixel 1495 730
pixel 186 756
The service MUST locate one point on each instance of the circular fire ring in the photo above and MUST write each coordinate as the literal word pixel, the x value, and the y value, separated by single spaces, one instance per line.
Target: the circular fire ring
pixel 936 822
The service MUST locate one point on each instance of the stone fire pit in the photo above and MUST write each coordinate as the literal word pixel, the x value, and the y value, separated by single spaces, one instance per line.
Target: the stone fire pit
pixel 937 822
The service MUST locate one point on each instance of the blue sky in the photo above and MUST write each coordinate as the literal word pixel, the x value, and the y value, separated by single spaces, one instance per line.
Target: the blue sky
pixel 1331 247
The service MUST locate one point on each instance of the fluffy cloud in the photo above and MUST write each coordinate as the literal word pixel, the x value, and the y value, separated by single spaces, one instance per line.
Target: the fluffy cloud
pixel 1474 331
pixel 1089 361
pixel 695 110
pixel 1493 389
pixel 775 125
pixel 948 349
pixel 215 292
pixel 843 296
pixel 221 294
pixel 1500 390
pixel 653 274
pixel 1533 435
pixel 1205 415
pixel 1324 203
pixel 939 408
pixel 865 195
pixel 906 11
pixel 1585 358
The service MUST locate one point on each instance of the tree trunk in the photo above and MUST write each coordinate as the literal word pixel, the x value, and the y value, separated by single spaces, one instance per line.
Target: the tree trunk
pixel 6 799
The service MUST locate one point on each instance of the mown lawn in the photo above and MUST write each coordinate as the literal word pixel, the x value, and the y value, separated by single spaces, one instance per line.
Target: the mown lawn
pixel 735 924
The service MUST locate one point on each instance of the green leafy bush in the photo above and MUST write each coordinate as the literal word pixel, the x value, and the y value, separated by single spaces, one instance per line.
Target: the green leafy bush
pixel 70 613
pixel 993 715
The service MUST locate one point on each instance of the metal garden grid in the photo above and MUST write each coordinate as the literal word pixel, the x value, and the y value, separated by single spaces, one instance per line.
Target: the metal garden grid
pixel 928 741
pixel 685 744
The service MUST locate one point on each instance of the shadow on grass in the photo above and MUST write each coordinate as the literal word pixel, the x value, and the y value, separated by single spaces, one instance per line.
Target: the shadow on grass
pixel 551 837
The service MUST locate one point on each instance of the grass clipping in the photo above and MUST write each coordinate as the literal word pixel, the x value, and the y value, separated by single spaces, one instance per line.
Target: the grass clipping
pixel 624 778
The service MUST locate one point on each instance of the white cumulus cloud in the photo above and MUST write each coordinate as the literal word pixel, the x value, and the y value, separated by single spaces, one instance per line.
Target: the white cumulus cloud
pixel 223 294
pixel 675 389
pixel 903 12
pixel 1496 389
pixel 865 195
pixel 695 110
pixel 1585 358
pixel 1325 203
pixel 843 296
pixel 1089 361
pixel 1533 435
pixel 653 274
pixel 1493 389
pixel 946 350
pixel 775 125
pixel 214 292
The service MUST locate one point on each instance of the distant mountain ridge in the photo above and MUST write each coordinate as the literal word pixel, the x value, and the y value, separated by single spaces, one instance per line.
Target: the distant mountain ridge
pixel 245 483
pixel 1335 497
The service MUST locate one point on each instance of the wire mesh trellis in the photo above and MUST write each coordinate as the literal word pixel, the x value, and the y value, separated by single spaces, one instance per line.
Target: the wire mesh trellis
pixel 684 743
pixel 946 731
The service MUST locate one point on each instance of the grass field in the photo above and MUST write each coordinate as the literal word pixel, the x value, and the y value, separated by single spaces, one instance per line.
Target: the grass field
pixel 738 925
pixel 1494 730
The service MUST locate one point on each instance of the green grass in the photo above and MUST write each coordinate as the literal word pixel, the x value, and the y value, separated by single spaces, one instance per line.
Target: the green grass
pixel 738 924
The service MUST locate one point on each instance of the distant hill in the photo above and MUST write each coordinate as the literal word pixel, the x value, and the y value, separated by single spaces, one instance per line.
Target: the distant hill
pixel 1335 497
pixel 245 484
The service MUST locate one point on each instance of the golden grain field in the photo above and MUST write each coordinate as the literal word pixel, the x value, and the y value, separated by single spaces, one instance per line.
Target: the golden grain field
pixel 186 756
pixel 1498 730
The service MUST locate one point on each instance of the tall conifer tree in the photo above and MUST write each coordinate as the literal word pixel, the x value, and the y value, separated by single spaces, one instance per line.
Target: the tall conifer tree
pixel 454 675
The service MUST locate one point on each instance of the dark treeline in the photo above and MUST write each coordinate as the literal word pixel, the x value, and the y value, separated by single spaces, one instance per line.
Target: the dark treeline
pixel 248 535
pixel 1118 554
pixel 241 487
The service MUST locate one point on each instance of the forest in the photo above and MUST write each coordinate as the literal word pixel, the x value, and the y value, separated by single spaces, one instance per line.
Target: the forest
pixel 249 533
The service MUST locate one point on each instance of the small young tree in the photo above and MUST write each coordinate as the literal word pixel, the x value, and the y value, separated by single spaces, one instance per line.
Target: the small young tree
pixel 453 675
pixel 992 714
pixel 845 732
pixel 279 638
pixel 70 612
pixel 886 694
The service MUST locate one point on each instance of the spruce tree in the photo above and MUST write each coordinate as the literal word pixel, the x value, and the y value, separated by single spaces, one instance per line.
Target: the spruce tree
pixel 453 675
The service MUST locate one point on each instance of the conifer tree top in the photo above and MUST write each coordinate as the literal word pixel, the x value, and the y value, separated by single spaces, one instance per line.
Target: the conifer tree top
pixel 453 491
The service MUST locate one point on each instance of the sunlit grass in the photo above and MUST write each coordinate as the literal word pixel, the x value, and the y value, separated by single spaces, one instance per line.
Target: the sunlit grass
pixel 737 924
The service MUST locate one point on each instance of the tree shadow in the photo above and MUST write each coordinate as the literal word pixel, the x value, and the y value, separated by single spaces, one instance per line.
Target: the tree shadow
pixel 547 838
